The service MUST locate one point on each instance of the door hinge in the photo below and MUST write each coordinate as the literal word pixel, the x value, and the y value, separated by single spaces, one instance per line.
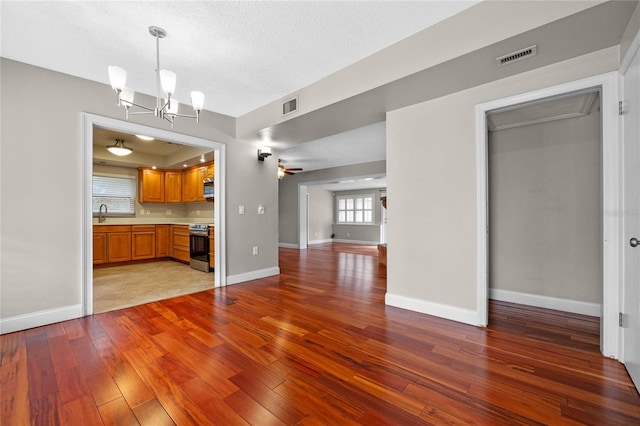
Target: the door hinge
pixel 622 320
pixel 620 108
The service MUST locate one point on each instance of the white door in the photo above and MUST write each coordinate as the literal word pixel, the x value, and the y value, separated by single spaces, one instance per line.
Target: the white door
pixel 631 308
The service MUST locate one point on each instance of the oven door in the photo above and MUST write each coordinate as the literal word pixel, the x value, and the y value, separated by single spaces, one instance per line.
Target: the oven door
pixel 199 251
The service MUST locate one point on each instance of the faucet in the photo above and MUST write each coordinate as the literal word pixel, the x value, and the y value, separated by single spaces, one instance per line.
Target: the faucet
pixel 101 218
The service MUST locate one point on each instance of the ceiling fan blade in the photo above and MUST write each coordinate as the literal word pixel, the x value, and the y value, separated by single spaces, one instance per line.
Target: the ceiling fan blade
pixel 298 169
pixel 288 172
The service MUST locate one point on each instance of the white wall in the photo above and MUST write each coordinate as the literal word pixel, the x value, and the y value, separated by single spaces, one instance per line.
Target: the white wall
pixel 41 171
pixel 544 209
pixel 432 227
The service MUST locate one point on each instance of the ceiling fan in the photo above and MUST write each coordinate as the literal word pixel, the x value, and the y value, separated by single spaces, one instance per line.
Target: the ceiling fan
pixel 282 170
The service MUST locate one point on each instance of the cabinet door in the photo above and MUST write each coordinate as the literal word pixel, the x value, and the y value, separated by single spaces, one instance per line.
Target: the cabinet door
pixel 119 246
pixel 173 186
pixel 151 186
pixel 143 242
pixel 163 239
pixel 99 248
pixel 189 178
pixel 199 188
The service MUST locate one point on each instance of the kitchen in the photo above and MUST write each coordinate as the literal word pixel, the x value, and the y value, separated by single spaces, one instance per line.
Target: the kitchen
pixel 153 219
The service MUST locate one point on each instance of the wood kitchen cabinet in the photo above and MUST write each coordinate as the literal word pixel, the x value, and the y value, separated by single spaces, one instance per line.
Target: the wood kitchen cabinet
pixel 180 242
pixel 163 240
pixel 173 186
pixel 212 249
pixel 119 245
pixel 99 248
pixel 143 242
pixel 151 186
pixel 190 185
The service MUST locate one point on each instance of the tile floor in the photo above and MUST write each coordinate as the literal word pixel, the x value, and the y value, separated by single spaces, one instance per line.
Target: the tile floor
pixel 119 287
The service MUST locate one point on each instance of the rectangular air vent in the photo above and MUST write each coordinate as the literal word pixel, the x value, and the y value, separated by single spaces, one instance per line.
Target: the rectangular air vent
pixel 290 106
pixel 518 55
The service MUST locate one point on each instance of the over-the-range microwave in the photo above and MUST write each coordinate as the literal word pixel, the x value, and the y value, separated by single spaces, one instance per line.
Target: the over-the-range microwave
pixel 209 188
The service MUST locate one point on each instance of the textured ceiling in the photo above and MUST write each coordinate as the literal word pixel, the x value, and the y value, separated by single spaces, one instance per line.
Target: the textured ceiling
pixel 241 54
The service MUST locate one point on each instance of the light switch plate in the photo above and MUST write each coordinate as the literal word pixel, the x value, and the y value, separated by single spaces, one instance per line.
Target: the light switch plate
pixel 260 209
pixel 240 209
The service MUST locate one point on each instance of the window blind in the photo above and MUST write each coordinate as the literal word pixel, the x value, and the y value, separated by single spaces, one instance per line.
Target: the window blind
pixel 118 193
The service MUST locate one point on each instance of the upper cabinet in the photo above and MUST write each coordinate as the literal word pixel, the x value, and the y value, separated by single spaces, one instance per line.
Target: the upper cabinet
pixel 151 186
pixel 173 186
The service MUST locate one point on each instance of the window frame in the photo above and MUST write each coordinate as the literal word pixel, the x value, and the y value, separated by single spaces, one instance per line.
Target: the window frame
pixel 351 206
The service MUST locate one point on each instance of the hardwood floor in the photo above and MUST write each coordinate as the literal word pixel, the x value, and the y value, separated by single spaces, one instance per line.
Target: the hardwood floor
pixel 315 345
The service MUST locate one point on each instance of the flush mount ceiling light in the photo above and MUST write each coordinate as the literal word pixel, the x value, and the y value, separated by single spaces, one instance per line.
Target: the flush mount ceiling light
pixel 166 108
pixel 119 148
pixel 145 138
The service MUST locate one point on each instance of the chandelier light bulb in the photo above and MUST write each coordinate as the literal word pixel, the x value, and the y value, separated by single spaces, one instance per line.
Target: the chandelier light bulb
pixel 126 97
pixel 117 77
pixel 173 110
pixel 168 82
pixel 197 101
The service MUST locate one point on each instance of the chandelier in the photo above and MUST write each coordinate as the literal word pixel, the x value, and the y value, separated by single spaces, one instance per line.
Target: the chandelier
pixel 166 108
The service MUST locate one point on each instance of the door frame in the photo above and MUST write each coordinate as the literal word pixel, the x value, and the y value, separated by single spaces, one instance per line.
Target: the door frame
pixel 611 237
pixel 89 121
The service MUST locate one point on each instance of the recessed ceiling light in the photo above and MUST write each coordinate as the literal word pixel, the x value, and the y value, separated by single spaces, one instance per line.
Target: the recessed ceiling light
pixel 184 165
pixel 202 160
pixel 145 138
pixel 153 167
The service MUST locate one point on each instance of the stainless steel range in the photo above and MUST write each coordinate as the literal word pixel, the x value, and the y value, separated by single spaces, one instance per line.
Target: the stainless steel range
pixel 199 246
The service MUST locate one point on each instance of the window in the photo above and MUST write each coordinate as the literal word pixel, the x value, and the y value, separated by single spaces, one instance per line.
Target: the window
pixel 117 192
pixel 355 209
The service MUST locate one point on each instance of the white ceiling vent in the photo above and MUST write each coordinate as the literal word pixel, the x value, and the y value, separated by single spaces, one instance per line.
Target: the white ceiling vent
pixel 290 106
pixel 518 55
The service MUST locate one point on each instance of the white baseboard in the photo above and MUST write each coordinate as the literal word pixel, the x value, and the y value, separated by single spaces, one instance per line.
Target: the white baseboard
pixel 253 275
pixel 566 305
pixel 466 316
pixel 37 319
pixel 288 245
pixel 329 240
pixel 368 243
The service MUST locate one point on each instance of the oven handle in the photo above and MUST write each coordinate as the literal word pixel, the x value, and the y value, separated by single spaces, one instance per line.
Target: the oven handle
pixel 199 233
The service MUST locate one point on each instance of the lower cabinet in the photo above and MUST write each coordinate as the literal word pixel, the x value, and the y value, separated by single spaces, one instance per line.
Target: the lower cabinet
pixel 99 248
pixel 180 242
pixel 143 242
pixel 123 243
pixel 163 240
pixel 119 246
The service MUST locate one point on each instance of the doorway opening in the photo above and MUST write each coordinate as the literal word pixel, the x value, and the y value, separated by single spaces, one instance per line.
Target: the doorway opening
pixel 93 123
pixel 607 227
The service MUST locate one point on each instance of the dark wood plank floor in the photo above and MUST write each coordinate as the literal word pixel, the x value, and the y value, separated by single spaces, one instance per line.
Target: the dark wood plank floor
pixel 316 346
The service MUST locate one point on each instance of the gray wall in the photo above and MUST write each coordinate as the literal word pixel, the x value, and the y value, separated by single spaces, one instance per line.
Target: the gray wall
pixel 320 214
pixel 41 171
pixel 360 233
pixel 432 226
pixel 288 193
pixel 544 198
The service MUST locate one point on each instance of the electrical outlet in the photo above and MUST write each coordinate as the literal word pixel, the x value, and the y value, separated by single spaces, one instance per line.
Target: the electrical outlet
pixel 255 250
pixel 260 209
pixel 197 212
pixel 348 234
pixel 168 212
pixel 240 209
pixel 148 211
pixel 141 212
